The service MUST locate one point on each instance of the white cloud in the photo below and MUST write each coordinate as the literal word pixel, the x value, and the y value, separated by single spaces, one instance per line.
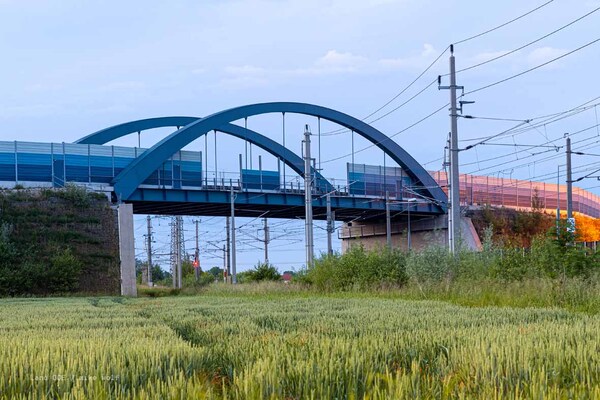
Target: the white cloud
pixel 426 55
pixel 243 82
pixel 331 63
pixel 123 86
pixel 27 111
pixel 337 61
pixel 543 54
pixel 245 70
pixel 42 87
pixel 486 56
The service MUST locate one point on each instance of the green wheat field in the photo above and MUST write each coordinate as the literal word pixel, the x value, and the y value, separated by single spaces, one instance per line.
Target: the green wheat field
pixel 292 346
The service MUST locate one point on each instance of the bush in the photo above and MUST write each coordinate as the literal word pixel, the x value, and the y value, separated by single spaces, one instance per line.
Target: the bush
pixel 357 269
pixel 261 272
pixel 63 272
pixel 144 291
pixel 432 265
pixel 77 195
pixel 204 279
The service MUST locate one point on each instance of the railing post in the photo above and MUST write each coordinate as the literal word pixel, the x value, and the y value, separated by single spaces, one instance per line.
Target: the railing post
pixel 16 165
pixel 89 164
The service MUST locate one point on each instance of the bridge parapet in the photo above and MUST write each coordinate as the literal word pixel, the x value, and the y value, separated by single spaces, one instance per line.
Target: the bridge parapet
pixel 479 191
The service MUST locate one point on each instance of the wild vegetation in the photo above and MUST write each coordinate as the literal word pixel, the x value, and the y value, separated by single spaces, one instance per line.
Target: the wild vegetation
pixel 553 271
pixel 57 241
pixel 517 228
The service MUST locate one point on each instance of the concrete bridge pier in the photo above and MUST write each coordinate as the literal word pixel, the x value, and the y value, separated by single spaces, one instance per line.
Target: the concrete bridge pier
pixel 127 250
pixel 424 233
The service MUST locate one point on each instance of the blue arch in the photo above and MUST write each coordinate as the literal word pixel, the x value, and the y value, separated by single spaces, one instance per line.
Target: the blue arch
pixel 136 172
pixel 269 145
pixel 117 131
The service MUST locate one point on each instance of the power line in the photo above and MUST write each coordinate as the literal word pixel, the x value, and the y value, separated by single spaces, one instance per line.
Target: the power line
pixel 342 130
pixel 527 44
pixel 545 120
pixel 470 92
pixel 514 132
pixel 504 24
pixel 444 52
pixel 533 155
pixel 532 69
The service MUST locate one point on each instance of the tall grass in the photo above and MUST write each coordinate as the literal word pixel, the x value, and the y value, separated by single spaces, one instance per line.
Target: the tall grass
pixel 549 274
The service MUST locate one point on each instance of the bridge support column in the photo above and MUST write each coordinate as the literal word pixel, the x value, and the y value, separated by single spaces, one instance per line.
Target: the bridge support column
pixel 127 250
pixel 424 233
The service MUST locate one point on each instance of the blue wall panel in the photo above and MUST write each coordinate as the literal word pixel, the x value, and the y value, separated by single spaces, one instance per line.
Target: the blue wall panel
pixel 36 162
pixel 255 179
pixel 7 167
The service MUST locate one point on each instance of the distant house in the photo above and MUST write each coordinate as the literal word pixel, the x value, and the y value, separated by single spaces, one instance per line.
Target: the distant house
pixel 287 276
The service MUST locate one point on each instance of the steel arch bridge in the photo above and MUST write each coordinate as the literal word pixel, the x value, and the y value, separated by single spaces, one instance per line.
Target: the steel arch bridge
pixel 130 179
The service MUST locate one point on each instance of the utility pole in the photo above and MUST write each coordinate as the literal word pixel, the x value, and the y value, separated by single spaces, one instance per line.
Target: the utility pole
pixel 177 244
pixel 197 254
pixel 329 226
pixel 308 228
pixel 454 192
pixel 569 183
pixel 174 251
pixel 233 261
pixel 228 249
pixel 225 263
pixel 266 240
pixel 445 165
pixel 409 244
pixel 180 243
pixel 388 221
pixel 409 234
pixel 149 238
pixel 558 202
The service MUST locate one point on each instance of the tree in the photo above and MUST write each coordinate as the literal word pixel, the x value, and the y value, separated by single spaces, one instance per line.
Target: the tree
pixel 216 272
pixel 537 203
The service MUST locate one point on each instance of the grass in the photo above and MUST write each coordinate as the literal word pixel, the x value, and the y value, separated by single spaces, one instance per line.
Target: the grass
pixel 285 342
pixel 571 294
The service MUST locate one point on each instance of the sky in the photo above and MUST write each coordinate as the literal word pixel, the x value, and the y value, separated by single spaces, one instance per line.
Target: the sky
pixel 71 68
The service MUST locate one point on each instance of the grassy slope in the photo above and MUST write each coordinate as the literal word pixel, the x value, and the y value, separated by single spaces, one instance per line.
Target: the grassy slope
pixel 258 343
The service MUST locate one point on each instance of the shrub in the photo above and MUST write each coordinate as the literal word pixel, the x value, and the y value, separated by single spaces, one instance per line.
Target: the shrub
pixel 357 269
pixel 431 265
pixel 204 279
pixel 261 272
pixel 63 272
pixel 77 195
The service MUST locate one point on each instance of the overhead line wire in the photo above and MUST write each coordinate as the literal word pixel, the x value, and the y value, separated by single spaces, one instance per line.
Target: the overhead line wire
pixel 341 130
pixel 527 44
pixel 504 24
pixel 531 69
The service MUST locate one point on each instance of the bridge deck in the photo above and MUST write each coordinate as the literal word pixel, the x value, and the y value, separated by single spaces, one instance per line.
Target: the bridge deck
pixel 272 204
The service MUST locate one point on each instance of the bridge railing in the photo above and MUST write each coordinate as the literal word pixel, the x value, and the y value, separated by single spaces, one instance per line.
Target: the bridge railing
pixel 56 164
